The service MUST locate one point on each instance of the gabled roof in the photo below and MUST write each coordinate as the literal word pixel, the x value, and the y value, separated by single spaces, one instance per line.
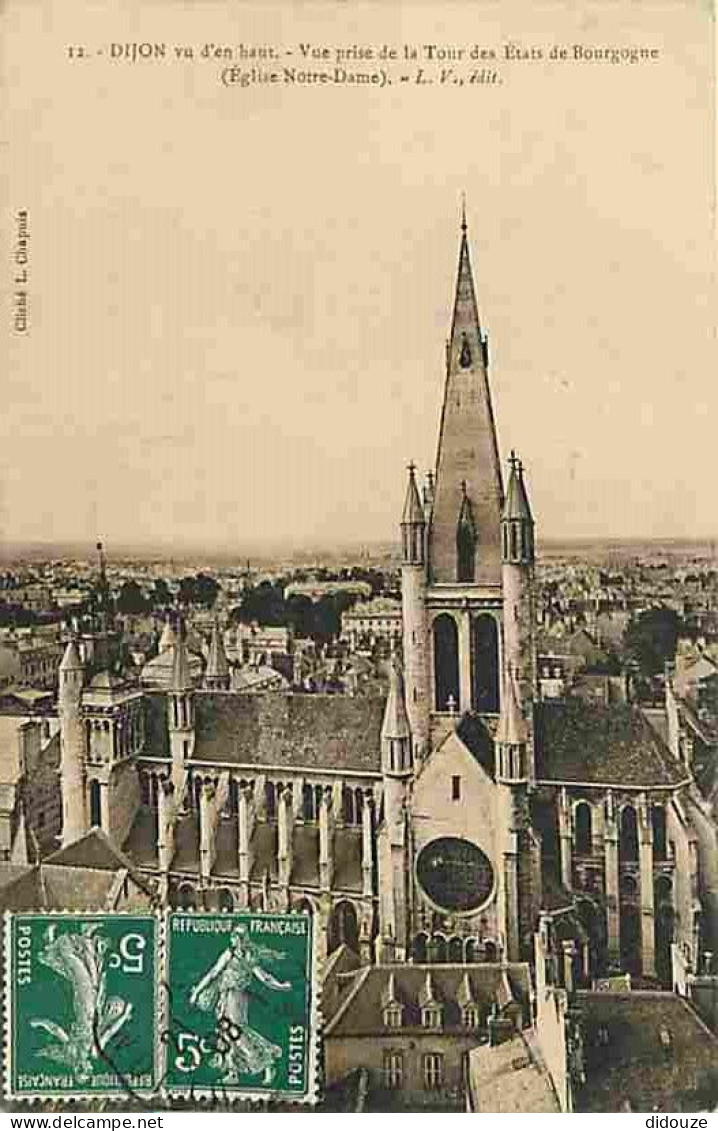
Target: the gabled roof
pixel 595 743
pixel 93 850
pixel 475 736
pixel 508 1078
pixel 659 1056
pixel 336 732
pixel 361 1010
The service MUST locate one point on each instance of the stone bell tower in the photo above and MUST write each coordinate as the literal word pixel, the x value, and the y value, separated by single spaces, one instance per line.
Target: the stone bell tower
pixel 463 538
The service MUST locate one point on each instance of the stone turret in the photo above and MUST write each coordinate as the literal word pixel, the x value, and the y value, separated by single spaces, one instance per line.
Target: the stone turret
pixel 517 545
pixel 394 849
pixel 414 614
pixel 180 706
pixel 73 747
pixel 216 677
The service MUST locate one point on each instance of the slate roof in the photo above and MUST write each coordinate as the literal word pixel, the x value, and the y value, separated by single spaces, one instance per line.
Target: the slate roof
pixel 592 742
pixel 635 1066
pixel 477 739
pixel 93 850
pixel 141 842
pixel 48 887
pixel 360 1013
pixel 319 731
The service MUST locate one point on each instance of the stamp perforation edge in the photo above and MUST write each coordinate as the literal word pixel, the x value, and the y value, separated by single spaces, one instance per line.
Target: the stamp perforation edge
pixel 258 1098
pixel 45 1099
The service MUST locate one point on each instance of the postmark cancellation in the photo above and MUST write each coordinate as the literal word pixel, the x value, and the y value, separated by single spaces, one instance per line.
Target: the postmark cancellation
pixel 241 1006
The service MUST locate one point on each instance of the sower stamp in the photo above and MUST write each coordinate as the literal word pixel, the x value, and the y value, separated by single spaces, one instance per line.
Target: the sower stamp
pixel 241 1010
pixel 80 998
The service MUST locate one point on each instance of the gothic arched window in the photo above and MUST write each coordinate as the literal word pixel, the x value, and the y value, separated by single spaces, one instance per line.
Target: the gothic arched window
pixel 658 822
pixel 628 842
pixel 446 663
pixel 485 666
pixel 582 829
pixel 95 806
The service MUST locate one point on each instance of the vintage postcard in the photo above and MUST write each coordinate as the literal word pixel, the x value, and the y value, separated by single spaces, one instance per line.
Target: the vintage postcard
pixel 359 587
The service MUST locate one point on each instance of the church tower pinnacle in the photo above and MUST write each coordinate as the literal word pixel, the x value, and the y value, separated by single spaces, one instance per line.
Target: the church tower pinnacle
pixel 73 746
pixel 517 549
pixel 217 675
pixel 414 614
pixel 180 706
pixel 467 464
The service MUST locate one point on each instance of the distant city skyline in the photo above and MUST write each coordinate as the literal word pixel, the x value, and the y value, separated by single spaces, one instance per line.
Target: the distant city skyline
pixel 237 324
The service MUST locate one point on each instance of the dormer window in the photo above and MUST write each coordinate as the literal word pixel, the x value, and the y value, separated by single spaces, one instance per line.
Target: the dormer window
pixel 393 1016
pixel 431 1017
pixel 470 1016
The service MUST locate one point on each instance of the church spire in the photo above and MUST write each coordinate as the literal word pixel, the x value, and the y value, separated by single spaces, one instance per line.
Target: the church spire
pixel 217 674
pixel 467 459
pixel 413 522
pixel 396 721
pixel 181 676
pixel 168 639
pixel 517 522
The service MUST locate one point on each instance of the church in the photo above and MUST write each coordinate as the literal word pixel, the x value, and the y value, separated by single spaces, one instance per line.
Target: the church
pixel 437 826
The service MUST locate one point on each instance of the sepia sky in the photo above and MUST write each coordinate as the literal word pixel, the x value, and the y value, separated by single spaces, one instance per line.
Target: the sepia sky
pixel 239 298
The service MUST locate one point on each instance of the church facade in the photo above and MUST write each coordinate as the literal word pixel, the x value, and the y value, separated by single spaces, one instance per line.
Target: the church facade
pixel 434 827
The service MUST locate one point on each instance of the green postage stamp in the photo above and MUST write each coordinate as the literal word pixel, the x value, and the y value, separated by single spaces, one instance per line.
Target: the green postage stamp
pixel 241 1009
pixel 81 1012
pixel 223 1006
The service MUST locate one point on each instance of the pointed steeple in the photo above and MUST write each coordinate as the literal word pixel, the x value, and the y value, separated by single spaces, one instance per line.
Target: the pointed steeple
pixel 396 721
pixel 102 589
pixel 413 512
pixel 181 676
pixel 511 730
pixel 168 639
pixel 413 523
pixel 516 520
pixel 468 448
pixel 517 503
pixel 428 494
pixel 217 674
pixel 71 661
